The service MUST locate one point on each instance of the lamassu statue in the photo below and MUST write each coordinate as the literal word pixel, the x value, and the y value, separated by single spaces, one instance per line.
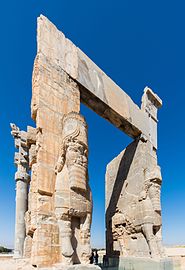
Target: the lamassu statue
pixel 73 203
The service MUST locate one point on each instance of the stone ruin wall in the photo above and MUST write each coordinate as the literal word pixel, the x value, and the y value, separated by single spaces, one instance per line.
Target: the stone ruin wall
pixel 133 216
pixel 133 186
pixel 133 210
pixel 54 94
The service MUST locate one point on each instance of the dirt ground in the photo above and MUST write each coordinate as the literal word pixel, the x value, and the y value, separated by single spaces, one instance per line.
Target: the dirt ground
pixel 176 253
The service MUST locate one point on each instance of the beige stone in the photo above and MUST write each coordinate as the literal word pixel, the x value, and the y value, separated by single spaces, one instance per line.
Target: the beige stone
pixel 22 179
pixel 53 95
pixel 27 246
pixel 99 92
pixel 10 264
pixel 150 105
pixel 45 245
pixel 55 224
pixel 73 203
pixel 133 209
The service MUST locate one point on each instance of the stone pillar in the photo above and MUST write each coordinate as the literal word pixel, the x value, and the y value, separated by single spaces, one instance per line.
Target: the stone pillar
pixel 31 144
pixel 22 180
pixel 133 184
pixel 73 202
pixel 150 105
pixel 54 94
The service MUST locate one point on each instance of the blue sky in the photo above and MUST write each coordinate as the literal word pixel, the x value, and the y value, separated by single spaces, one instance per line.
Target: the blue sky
pixel 137 43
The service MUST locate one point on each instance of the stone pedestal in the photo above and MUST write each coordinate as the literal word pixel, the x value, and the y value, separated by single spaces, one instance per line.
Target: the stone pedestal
pixel 130 263
pixel 73 267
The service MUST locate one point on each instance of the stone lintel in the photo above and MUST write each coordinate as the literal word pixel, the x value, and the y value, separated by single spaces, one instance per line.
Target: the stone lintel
pixel 97 90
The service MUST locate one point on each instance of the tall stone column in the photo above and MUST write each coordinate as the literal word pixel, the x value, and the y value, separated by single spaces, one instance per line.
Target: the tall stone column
pixel 22 179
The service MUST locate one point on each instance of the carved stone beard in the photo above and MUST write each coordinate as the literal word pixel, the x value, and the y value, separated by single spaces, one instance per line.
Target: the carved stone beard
pixel 76 162
pixel 74 151
pixel 154 194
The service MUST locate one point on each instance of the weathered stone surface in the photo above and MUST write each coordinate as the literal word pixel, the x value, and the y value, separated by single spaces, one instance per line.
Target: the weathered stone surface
pixel 31 135
pixel 150 105
pixel 24 264
pixel 77 267
pixel 140 264
pixel 133 210
pixel 54 94
pixel 27 246
pixel 58 218
pixel 22 179
pixel 45 244
pixel 73 204
pixel 97 90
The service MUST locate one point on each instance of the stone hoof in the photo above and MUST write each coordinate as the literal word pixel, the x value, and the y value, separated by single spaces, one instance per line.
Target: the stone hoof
pixel 155 256
pixel 67 250
pixel 85 253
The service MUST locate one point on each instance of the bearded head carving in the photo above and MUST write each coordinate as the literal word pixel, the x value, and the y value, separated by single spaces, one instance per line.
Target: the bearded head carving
pixel 74 152
pixel 153 183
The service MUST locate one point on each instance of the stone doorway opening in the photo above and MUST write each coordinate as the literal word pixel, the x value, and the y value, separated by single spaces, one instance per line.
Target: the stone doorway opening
pixel 105 143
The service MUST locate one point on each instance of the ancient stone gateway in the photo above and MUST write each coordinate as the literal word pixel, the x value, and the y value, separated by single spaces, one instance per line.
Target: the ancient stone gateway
pixel 58 214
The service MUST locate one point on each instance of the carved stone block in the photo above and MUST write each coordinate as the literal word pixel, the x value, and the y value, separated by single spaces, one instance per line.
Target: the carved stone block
pixel 133 209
